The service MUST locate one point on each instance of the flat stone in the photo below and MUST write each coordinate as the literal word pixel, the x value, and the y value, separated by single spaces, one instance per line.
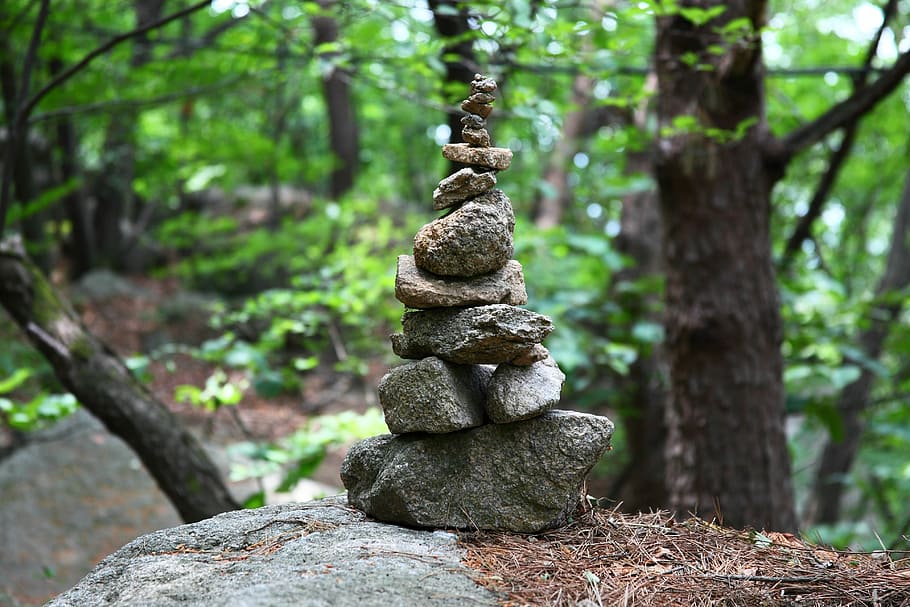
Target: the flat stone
pixel 431 395
pixel 478 137
pixel 472 107
pixel 494 158
pixel 311 554
pixel 460 186
pixel 480 335
pixel 420 289
pixel 474 239
pixel 523 477
pixel 516 393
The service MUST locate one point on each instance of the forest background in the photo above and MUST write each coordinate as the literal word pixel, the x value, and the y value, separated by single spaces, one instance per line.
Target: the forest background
pixel 712 203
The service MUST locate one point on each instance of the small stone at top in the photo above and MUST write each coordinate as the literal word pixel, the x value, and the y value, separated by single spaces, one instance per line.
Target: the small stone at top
pixel 481 84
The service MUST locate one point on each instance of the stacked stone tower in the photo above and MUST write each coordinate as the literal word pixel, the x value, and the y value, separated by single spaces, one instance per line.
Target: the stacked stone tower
pixel 475 440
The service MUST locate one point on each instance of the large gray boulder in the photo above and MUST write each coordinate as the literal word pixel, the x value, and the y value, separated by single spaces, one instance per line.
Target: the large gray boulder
pixel 515 393
pixel 314 554
pixel 480 335
pixel 523 477
pixel 432 395
pixel 474 239
pixel 420 289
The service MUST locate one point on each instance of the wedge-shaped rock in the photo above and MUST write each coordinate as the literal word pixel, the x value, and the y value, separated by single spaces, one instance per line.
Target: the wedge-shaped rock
pixel 431 395
pixel 418 288
pixel 523 477
pixel 474 239
pixel 460 186
pixel 492 158
pixel 482 335
pixel 516 393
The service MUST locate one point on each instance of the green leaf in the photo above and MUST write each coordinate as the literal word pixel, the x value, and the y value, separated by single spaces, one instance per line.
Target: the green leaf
pixel 15 380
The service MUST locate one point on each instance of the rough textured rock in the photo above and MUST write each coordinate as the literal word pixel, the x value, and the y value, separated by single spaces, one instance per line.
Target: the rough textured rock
pixel 474 239
pixel 315 554
pixel 478 137
pixel 515 393
pixel 434 396
pixel 472 107
pixel 531 356
pixel 481 335
pixel 499 476
pixel 494 158
pixel 418 288
pixel 460 186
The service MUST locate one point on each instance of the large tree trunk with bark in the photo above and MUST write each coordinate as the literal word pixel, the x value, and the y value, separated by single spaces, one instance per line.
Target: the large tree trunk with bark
pixel 103 384
pixel 726 448
pixel 837 457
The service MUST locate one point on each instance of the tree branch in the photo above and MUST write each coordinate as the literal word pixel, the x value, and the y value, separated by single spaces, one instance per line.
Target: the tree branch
pixel 103 384
pixel 24 108
pixel 839 156
pixel 116 40
pixel 841 114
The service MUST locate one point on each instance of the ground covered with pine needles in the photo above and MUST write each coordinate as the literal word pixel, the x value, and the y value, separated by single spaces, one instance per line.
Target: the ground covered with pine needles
pixel 607 558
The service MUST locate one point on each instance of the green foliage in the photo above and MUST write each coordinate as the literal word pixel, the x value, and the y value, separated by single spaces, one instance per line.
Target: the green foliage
pixel 30 396
pixel 298 455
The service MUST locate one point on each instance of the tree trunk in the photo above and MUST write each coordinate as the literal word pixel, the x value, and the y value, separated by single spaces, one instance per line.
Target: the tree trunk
pixel 103 384
pixel 116 199
pixel 458 57
pixel 21 159
pixel 837 457
pixel 80 246
pixel 644 487
pixel 726 448
pixel 555 199
pixel 344 137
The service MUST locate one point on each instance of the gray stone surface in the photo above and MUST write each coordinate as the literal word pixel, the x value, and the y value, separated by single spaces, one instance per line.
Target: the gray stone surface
pixel 418 288
pixel 460 186
pixel 481 335
pixel 432 395
pixel 493 158
pixel 474 239
pixel 515 393
pixel 523 477
pixel 315 554
pixel 72 495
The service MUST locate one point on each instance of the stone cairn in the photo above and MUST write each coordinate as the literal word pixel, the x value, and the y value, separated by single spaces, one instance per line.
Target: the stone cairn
pixel 475 440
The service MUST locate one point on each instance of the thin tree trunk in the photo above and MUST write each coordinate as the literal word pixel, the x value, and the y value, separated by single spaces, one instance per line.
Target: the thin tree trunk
pixel 116 198
pixel 81 245
pixel 344 136
pixel 726 447
pixel 837 457
pixel 451 22
pixel 103 384
pixel 555 199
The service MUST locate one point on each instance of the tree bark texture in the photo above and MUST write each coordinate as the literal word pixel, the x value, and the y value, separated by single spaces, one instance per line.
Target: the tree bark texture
pixel 726 448
pixel 645 387
pixel 837 457
pixel 344 136
pixel 103 384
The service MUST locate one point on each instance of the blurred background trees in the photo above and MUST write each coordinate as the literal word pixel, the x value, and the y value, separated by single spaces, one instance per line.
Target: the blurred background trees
pixel 710 201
